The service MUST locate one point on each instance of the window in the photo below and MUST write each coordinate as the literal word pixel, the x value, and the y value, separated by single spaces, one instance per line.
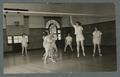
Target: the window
pixel 17 39
pixel 54 27
pixel 9 39
pixel 57 32
pixel 59 36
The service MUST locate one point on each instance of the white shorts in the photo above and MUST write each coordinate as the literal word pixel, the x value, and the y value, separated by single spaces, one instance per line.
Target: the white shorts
pixel 96 41
pixel 24 45
pixel 80 38
pixel 68 43
pixel 49 50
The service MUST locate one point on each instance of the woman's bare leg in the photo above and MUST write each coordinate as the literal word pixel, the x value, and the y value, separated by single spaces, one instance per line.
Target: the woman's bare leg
pixel 100 54
pixel 56 49
pixel 52 59
pixel 26 50
pixel 51 55
pixel 65 48
pixel 82 46
pixel 94 49
pixel 43 56
pixel 22 51
pixel 46 55
pixel 78 45
pixel 71 47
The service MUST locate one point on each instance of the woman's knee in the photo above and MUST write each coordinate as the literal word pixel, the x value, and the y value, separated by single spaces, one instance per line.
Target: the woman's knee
pixel 77 42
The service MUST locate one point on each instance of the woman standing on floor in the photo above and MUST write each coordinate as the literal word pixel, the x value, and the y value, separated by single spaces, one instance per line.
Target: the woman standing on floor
pixel 97 41
pixel 79 36
pixel 50 47
pixel 24 42
pixel 68 42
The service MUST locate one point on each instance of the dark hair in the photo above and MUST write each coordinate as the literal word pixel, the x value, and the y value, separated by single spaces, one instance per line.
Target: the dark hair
pixel 96 27
pixel 23 34
pixel 51 24
pixel 45 33
pixel 68 33
pixel 79 23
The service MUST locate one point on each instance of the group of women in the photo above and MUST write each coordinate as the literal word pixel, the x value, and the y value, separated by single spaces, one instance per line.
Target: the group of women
pixel 80 38
pixel 51 48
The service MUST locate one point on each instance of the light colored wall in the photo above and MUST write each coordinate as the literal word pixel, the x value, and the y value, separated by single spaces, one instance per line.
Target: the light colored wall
pixel 38 21
pixel 85 20
pixel 91 20
pixel 36 25
pixel 11 18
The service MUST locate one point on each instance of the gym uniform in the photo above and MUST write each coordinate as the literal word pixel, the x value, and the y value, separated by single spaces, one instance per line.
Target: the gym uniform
pixel 97 37
pixel 78 33
pixel 49 45
pixel 68 40
pixel 24 42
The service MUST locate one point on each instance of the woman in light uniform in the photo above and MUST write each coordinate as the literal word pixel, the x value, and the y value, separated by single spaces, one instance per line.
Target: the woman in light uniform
pixel 68 42
pixel 50 46
pixel 97 41
pixel 24 42
pixel 79 36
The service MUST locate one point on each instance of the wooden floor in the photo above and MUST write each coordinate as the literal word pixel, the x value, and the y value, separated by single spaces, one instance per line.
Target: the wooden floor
pixel 65 62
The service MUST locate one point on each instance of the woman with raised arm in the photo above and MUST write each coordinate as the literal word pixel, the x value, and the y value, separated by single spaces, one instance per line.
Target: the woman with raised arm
pixel 79 36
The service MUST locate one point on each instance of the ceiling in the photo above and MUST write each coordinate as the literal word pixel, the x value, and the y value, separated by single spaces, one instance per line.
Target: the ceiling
pixel 97 9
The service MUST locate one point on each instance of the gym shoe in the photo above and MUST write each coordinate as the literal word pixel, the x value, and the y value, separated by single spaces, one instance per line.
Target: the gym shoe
pixel 100 54
pixel 83 54
pixel 53 61
pixel 45 62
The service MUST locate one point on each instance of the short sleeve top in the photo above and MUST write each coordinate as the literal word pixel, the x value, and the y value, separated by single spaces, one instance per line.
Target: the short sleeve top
pixel 97 34
pixel 78 29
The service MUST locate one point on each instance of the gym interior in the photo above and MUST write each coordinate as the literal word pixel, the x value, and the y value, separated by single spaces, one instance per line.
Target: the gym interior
pixel 33 19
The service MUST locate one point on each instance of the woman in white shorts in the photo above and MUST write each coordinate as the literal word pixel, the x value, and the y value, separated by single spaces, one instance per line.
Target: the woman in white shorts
pixel 68 42
pixel 24 42
pixel 97 41
pixel 79 36
pixel 49 48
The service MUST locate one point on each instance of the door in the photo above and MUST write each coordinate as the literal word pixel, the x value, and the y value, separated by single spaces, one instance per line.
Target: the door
pixel 53 25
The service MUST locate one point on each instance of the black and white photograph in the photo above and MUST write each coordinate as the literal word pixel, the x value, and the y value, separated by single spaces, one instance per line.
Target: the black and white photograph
pixel 59 38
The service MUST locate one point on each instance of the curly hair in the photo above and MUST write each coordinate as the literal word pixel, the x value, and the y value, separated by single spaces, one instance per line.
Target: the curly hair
pixel 79 23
